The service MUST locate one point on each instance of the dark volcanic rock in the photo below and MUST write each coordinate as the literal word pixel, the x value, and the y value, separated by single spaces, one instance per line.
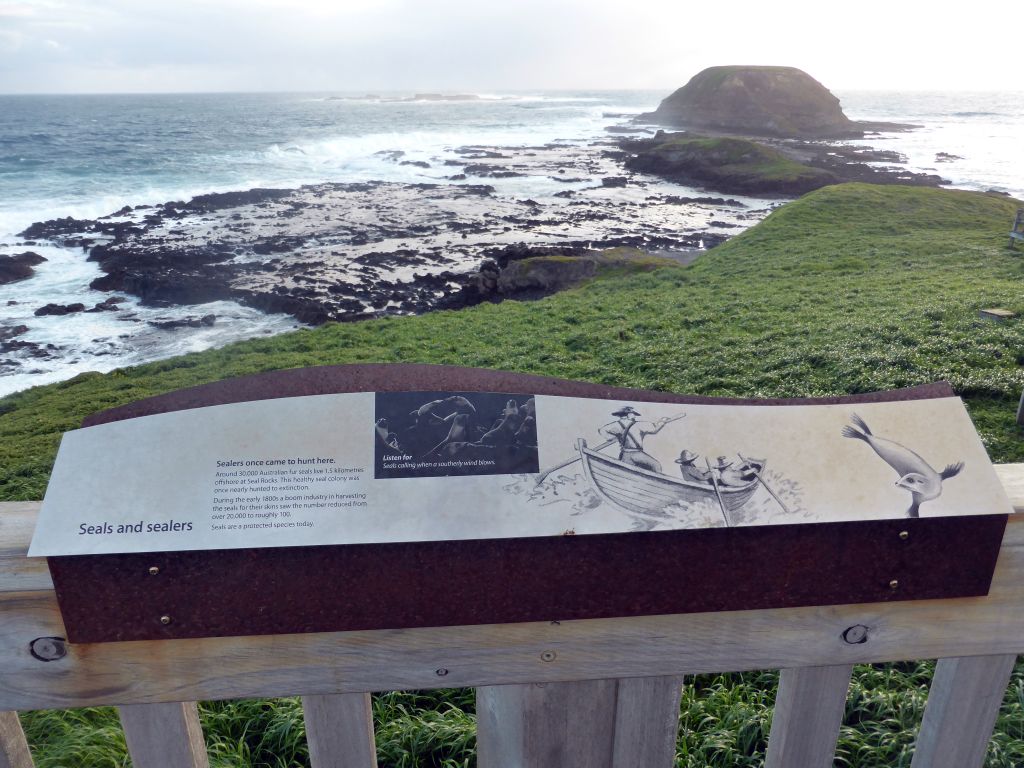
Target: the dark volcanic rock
pixel 9 332
pixel 730 165
pixel 59 309
pixel 18 267
pixel 492 171
pixel 759 101
pixel 783 167
pixel 185 322
pixel 108 305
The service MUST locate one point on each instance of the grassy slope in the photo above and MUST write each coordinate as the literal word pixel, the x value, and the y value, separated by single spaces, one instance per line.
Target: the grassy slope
pixel 850 289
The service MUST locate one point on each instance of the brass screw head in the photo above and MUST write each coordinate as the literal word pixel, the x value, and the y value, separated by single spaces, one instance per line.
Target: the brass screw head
pixel 894 584
pixel 904 535
pixel 153 570
pixel 165 620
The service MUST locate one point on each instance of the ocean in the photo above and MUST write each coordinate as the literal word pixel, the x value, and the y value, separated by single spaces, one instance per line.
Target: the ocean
pixel 89 156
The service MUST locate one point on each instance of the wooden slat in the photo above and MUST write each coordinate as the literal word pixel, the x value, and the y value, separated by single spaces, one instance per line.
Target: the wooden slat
pixel 13 747
pixel 164 736
pixel 17 572
pixel 808 713
pixel 963 705
pixel 354 662
pixel 588 724
pixel 569 725
pixel 339 730
pixel 647 722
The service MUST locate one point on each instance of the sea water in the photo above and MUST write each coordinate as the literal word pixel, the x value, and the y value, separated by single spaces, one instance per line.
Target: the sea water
pixel 88 156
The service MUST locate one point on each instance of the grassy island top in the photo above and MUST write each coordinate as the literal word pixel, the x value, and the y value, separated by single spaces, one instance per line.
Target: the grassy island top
pixel 852 288
pixel 726 164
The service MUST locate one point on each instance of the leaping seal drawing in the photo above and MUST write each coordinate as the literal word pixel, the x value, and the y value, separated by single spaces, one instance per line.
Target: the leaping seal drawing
pixel 915 474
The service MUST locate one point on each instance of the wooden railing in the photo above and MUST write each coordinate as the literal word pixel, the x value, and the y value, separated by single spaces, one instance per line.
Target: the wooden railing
pixel 599 693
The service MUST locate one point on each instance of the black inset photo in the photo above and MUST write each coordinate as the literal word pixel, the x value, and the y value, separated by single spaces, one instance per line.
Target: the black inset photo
pixel 451 434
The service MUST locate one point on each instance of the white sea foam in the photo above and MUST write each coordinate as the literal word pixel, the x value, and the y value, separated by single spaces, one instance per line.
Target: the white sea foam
pixel 102 341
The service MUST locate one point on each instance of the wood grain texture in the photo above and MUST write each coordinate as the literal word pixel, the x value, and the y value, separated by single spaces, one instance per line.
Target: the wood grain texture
pixel 647 721
pixel 547 725
pixel 589 724
pixel 354 662
pixel 963 705
pixel 13 747
pixel 17 572
pixel 164 735
pixel 808 713
pixel 339 731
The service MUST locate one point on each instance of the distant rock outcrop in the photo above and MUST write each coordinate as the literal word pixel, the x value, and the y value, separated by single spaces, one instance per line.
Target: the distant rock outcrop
pixel 760 101
pixel 725 164
pixel 19 266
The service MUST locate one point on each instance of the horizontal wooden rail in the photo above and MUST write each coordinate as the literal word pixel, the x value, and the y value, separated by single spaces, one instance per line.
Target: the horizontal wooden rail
pixel 356 662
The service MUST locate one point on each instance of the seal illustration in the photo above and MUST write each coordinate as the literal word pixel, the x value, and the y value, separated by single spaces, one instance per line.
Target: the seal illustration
pixel 916 475
pixel 459 433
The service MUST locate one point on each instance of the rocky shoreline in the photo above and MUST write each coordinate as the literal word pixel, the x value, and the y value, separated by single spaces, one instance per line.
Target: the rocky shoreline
pixel 352 251
pixel 490 223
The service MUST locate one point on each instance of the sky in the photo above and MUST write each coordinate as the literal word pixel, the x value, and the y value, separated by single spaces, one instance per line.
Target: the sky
pixel 140 46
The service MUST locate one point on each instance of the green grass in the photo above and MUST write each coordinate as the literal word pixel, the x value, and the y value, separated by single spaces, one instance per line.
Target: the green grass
pixel 850 289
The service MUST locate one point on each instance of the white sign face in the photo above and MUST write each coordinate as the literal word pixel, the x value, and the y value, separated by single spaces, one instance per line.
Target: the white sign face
pixel 424 466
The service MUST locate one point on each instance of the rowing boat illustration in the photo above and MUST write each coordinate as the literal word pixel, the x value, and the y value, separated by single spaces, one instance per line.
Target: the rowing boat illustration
pixel 645 492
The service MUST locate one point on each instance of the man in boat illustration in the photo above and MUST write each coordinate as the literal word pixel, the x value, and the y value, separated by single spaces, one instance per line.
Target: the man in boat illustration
pixel 629 433
pixel 689 471
pixel 728 474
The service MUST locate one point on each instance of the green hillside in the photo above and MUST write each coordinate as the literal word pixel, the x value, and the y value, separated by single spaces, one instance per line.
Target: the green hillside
pixel 852 288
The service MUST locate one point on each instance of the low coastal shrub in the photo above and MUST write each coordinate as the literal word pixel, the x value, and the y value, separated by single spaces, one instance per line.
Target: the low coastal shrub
pixel 850 289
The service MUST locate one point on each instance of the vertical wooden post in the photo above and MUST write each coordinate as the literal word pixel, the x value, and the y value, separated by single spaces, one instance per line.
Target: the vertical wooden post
pixel 339 730
pixel 647 721
pixel 1020 410
pixel 808 713
pixel 963 705
pixel 589 724
pixel 13 747
pixel 164 735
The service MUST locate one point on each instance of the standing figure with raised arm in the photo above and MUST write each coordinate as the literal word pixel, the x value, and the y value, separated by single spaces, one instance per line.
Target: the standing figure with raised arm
pixel 629 433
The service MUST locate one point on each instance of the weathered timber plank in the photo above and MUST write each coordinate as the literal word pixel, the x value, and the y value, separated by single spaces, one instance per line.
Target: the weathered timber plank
pixel 164 735
pixel 647 721
pixel 339 731
pixel 1012 478
pixel 569 725
pixel 13 747
pixel 17 572
pixel 354 662
pixel 589 724
pixel 963 705
pixel 808 713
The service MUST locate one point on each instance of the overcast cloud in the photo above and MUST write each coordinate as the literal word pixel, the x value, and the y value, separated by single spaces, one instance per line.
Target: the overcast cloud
pixel 101 46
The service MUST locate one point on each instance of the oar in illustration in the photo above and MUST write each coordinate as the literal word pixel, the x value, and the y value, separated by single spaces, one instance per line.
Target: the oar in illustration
pixel 543 475
pixel 718 494
pixel 757 474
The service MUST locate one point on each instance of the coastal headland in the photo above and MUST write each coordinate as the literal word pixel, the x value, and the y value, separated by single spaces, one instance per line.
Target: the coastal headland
pixel 486 223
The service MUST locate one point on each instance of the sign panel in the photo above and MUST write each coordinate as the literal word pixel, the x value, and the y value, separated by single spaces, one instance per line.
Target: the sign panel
pixel 389 467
